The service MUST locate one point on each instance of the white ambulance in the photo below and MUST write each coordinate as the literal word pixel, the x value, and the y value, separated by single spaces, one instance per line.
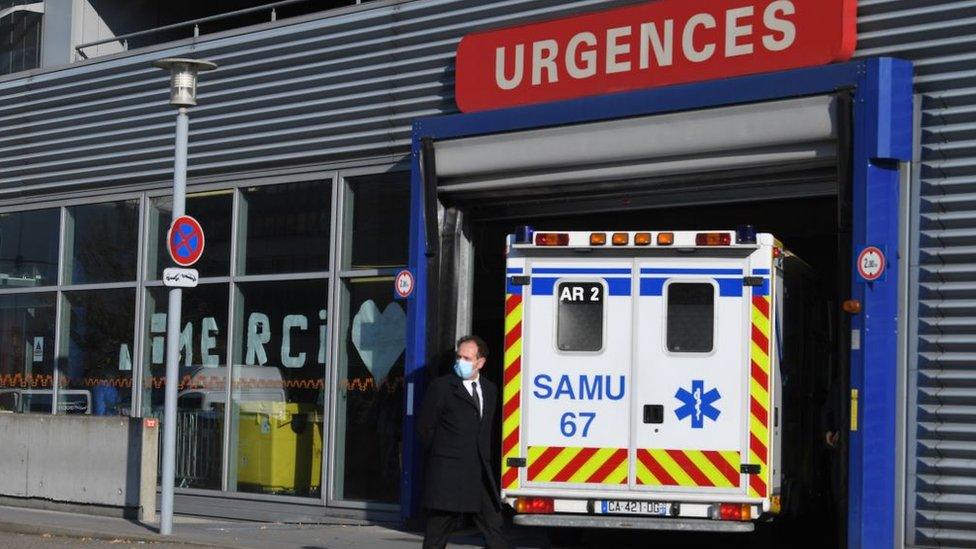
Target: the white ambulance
pixel 641 379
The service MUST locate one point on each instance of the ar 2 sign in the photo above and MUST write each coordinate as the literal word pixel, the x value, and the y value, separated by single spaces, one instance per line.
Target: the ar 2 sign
pixel 185 241
pixel 653 44
pixel 871 263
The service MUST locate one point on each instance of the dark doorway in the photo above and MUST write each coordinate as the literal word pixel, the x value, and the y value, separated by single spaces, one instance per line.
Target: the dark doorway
pixel 808 227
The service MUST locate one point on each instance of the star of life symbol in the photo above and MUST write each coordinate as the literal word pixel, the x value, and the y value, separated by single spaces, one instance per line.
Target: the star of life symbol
pixel 698 404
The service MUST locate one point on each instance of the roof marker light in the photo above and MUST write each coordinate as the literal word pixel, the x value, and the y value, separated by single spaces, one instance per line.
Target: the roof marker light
pixel 552 239
pixel 713 239
pixel 665 239
pixel 642 239
pixel 621 239
pixel 598 239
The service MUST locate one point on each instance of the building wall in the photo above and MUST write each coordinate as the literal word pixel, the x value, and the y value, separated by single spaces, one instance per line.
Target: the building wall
pixel 90 25
pixel 939 36
pixel 344 89
pixel 292 344
pixel 318 91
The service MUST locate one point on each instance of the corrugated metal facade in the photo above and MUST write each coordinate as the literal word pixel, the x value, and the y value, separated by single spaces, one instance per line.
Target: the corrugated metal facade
pixel 348 87
pixel 939 36
pixel 317 91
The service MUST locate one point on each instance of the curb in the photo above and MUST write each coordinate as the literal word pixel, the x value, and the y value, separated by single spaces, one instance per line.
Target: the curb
pixel 76 533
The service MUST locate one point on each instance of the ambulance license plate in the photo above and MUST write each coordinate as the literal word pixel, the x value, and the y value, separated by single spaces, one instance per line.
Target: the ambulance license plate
pixel 611 507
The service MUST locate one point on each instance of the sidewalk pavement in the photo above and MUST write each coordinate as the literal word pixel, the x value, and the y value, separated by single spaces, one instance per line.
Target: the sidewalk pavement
pixel 202 532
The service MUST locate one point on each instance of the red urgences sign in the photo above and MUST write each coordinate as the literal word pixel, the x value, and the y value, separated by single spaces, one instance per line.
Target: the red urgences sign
pixel 650 45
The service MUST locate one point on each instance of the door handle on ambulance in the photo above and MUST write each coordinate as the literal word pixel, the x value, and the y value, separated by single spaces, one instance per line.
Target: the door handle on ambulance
pixel 653 413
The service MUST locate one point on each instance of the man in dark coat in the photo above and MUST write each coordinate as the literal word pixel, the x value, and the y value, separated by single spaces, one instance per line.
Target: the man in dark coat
pixel 455 428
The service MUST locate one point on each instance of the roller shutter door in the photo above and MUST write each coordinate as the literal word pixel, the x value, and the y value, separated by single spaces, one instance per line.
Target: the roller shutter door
pixel 771 150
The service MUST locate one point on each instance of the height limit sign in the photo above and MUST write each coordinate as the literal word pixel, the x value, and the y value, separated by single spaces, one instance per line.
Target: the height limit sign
pixel 871 263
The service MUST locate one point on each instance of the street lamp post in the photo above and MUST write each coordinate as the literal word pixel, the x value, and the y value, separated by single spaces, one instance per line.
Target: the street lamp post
pixel 183 92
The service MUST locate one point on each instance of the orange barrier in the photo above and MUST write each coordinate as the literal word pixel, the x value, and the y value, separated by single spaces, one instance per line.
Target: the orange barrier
pixel 363 384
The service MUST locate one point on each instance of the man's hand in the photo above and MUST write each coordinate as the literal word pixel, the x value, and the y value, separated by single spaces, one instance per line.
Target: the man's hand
pixel 832 438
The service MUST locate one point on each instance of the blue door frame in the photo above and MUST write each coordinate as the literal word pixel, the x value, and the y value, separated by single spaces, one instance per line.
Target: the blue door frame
pixel 881 139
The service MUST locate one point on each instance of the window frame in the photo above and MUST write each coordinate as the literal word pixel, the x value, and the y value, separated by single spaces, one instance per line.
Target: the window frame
pixel 555 313
pixel 666 307
pixel 338 176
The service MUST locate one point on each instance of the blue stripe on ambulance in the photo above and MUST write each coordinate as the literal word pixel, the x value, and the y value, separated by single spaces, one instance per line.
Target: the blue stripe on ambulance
pixel 762 289
pixel 581 270
pixel 727 287
pixel 512 289
pixel 692 271
pixel 546 285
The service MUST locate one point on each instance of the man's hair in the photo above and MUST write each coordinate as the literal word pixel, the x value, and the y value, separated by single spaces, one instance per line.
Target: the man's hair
pixel 480 343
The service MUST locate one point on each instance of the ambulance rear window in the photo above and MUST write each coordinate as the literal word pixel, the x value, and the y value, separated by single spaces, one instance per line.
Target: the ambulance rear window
pixel 579 322
pixel 691 317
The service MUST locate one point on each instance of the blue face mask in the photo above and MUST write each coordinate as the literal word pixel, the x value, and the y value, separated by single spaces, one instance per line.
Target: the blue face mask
pixel 463 368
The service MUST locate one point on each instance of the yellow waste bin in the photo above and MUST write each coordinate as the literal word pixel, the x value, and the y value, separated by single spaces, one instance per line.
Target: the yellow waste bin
pixel 279 447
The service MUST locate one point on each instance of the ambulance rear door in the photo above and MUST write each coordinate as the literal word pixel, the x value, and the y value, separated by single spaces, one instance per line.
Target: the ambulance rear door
pixel 577 348
pixel 692 376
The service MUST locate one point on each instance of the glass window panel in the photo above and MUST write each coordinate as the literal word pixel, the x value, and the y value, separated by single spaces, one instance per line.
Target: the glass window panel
pixel 101 242
pixel 27 357
pixel 369 405
pixel 202 392
pixel 97 348
pixel 286 228
pixel 579 324
pixel 213 211
pixel 377 218
pixel 281 335
pixel 29 248
pixel 691 317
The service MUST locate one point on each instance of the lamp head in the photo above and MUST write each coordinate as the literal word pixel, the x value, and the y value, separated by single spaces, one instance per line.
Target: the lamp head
pixel 183 78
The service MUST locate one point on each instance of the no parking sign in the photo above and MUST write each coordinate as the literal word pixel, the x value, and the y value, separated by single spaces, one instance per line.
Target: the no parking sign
pixel 185 241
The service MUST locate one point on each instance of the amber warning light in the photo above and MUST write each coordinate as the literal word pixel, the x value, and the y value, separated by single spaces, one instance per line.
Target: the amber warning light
pixel 713 239
pixel 552 239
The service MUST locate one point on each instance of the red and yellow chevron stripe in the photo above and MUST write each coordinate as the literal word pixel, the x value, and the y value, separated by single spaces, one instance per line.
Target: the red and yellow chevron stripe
pixel 578 465
pixel 511 390
pixel 759 396
pixel 711 468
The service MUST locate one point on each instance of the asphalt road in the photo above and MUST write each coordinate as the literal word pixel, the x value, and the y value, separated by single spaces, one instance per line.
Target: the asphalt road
pixel 29 528
pixel 47 541
pixel 565 539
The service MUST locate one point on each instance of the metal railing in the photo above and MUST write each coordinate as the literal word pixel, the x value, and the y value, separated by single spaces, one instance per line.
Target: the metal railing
pixel 195 23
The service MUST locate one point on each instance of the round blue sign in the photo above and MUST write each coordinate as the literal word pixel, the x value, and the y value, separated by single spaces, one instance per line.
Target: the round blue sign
pixel 185 241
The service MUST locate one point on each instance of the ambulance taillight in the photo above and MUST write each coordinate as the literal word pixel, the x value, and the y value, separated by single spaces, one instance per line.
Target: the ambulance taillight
pixel 731 511
pixel 552 239
pixel 535 506
pixel 713 239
